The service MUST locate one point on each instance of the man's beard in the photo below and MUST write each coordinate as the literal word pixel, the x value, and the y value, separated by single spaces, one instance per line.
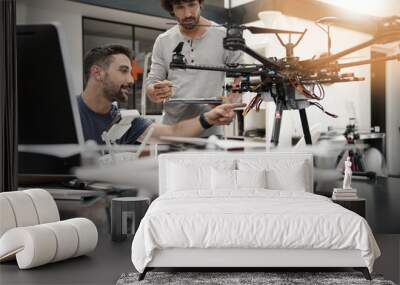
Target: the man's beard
pixel 120 95
pixel 190 23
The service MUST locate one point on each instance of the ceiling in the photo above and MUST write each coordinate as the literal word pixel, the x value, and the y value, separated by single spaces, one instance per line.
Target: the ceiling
pixel 235 3
pixel 246 11
pixel 95 27
pixel 379 8
pixel 312 10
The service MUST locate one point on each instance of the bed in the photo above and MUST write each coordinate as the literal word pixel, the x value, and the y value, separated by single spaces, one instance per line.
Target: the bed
pixel 247 210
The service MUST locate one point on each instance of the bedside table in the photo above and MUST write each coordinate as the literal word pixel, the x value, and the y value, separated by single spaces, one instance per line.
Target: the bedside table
pixel 356 205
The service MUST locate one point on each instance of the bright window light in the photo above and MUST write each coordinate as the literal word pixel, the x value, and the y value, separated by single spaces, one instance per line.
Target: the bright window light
pixel 236 3
pixel 369 7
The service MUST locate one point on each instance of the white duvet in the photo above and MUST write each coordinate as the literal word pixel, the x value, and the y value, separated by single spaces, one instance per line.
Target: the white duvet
pixel 254 218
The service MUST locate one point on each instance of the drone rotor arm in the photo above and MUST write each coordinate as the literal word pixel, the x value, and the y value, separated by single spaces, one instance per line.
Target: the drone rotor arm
pixel 385 37
pixel 239 70
pixel 265 61
pixel 319 63
pixel 280 39
pixel 300 38
pixel 368 61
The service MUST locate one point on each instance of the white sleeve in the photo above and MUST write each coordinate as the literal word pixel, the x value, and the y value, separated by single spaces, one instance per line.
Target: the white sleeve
pixel 158 69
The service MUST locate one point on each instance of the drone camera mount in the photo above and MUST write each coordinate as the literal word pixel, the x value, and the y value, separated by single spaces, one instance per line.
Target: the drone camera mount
pixel 234 38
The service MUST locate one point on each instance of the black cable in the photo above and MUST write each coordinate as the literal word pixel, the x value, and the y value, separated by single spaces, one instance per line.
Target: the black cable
pixel 323 110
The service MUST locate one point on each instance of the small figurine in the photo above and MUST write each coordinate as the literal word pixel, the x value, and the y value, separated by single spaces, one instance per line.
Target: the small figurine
pixel 347 174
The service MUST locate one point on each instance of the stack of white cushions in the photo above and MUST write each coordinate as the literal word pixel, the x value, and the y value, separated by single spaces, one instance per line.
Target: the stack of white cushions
pixel 31 230
pixel 227 175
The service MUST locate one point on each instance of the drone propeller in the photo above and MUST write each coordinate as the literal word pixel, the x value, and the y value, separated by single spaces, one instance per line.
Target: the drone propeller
pixel 327 20
pixel 252 29
pixel 260 30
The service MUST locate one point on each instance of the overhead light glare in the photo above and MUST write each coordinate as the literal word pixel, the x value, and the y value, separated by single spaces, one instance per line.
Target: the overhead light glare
pixel 368 7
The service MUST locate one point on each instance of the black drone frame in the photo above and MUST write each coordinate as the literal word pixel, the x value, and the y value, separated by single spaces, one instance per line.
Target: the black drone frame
pixel 281 78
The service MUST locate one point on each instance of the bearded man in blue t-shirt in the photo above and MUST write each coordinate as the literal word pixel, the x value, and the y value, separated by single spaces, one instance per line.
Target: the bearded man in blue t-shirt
pixel 108 79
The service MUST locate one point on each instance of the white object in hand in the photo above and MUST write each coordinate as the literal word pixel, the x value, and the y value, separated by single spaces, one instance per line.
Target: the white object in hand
pixel 347 174
pixel 111 159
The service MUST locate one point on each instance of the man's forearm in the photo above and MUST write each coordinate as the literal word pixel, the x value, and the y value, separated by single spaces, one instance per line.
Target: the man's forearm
pixel 187 128
pixel 220 115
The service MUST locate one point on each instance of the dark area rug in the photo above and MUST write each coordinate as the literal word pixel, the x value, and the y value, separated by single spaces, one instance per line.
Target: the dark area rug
pixel 243 278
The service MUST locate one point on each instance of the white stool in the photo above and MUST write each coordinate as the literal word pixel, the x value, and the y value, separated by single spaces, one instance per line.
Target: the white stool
pixel 31 231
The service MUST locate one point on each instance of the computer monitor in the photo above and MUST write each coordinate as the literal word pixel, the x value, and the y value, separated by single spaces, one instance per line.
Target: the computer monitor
pixel 49 127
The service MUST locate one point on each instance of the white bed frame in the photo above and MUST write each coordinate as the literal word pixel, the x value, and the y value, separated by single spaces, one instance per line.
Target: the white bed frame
pixel 234 257
pixel 246 257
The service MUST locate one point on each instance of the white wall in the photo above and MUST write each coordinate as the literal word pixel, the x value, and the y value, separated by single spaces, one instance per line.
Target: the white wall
pixel 69 15
pixel 393 115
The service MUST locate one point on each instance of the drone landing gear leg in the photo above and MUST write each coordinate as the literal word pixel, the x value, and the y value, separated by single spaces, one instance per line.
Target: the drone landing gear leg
pixel 277 123
pixel 304 124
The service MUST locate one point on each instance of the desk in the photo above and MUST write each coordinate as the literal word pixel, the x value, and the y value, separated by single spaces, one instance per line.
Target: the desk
pixel 365 162
pixel 95 206
pixel 376 140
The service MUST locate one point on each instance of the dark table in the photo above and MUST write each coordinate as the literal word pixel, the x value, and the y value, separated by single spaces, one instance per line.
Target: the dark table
pixel 382 202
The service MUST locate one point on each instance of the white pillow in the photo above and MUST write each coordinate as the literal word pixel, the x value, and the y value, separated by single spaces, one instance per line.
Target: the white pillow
pixel 182 177
pixel 281 174
pixel 251 178
pixel 195 174
pixel 223 179
pixel 292 177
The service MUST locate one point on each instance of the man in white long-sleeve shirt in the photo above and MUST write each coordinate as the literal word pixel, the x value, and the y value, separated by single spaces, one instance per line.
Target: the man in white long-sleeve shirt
pixel 202 45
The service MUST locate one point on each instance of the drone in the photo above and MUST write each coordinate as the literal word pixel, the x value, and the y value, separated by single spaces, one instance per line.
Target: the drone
pixel 293 84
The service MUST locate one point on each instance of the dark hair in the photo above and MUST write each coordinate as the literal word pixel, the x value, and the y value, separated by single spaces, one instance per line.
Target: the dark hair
pixel 102 56
pixel 167 4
